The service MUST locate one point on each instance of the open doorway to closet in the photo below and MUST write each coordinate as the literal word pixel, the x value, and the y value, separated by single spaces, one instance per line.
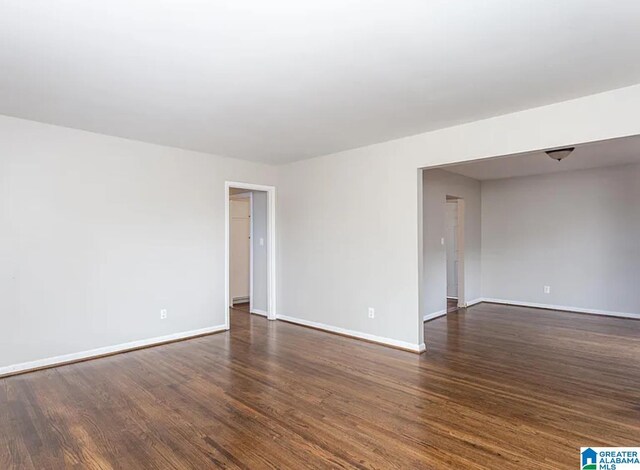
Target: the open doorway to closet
pixel 241 270
pixel 250 250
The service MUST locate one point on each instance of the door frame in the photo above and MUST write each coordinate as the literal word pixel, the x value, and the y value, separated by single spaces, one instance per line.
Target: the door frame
pixel 271 246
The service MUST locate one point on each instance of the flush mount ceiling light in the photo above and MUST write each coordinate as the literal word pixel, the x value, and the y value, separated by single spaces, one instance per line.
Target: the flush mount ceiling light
pixel 560 154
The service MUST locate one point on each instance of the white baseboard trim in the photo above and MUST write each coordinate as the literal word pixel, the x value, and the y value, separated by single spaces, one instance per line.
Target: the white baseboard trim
pixel 452 298
pixel 563 308
pixel 431 316
pixel 79 356
pixel 356 334
pixel 240 300
pixel 257 311
pixel 475 301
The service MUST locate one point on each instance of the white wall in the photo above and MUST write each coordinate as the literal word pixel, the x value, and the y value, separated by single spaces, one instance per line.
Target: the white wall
pixel 577 232
pixel 97 234
pixel 259 216
pixel 437 185
pixel 349 223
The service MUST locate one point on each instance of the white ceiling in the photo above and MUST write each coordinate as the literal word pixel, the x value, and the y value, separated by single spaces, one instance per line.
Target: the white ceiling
pixel 599 154
pixel 282 80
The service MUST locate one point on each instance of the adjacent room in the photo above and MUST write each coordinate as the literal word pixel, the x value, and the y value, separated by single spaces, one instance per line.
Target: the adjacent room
pixel 250 234
pixel 553 229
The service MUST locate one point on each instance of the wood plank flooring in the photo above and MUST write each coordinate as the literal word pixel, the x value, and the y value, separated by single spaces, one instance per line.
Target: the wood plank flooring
pixel 499 387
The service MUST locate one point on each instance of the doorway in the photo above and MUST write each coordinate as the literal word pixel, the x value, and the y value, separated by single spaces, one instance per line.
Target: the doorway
pixel 240 248
pixel 454 252
pixel 250 272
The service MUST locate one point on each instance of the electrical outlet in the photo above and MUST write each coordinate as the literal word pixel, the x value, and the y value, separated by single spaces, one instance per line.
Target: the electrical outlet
pixel 163 314
pixel 547 289
pixel 372 312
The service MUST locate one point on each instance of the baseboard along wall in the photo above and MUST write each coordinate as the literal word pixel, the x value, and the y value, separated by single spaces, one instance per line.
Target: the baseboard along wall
pixel 416 348
pixel 562 308
pixel 105 351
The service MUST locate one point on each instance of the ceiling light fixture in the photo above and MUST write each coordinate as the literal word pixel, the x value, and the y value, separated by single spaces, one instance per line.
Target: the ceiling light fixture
pixel 560 154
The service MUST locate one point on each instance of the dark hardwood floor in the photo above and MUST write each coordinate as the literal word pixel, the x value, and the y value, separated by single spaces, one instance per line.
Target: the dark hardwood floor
pixel 499 387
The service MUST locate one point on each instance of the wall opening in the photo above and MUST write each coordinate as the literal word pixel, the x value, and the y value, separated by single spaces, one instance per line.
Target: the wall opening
pixel 250 271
